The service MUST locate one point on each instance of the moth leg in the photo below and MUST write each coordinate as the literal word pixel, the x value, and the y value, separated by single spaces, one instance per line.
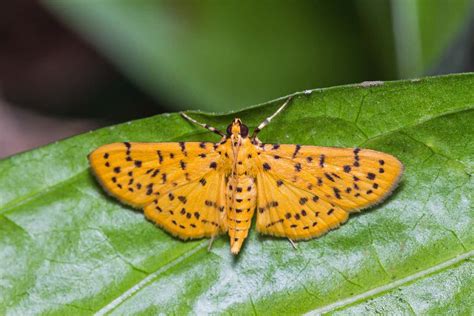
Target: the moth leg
pixel 268 119
pixel 212 129
pixel 292 243
pixel 210 243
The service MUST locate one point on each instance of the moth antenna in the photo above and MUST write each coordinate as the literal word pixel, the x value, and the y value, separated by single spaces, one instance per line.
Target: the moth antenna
pixel 268 119
pixel 212 129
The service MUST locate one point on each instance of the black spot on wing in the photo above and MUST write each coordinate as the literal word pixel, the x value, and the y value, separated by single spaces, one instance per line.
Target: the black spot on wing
pixel 321 160
pixel 182 146
pixel 155 173
pixel 337 193
pixel 356 157
pixel 297 149
pixel 327 175
pixel 160 156
pixel 149 189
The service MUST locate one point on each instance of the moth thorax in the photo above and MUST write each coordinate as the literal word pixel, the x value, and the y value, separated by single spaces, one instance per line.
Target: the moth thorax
pixel 244 157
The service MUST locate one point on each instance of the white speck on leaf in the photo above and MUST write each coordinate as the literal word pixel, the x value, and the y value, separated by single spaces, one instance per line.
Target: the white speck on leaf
pixel 367 84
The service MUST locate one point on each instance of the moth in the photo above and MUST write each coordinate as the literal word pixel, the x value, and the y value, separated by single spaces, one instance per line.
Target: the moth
pixel 204 189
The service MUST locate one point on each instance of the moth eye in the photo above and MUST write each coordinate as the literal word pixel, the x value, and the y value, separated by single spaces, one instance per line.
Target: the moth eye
pixel 229 130
pixel 244 130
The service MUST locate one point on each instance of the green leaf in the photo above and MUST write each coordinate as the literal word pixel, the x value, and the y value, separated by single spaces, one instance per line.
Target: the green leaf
pixel 66 247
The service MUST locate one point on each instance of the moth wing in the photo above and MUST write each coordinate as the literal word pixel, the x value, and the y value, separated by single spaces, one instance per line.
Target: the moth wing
pixel 284 210
pixel 138 173
pixel 334 180
pixel 193 210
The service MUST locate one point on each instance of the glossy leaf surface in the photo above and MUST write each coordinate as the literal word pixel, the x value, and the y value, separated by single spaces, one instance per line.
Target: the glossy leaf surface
pixel 66 247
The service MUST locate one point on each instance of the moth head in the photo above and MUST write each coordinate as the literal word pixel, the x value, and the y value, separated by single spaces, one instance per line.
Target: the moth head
pixel 237 128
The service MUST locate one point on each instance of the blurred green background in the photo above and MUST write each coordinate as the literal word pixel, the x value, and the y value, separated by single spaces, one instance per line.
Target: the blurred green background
pixel 95 63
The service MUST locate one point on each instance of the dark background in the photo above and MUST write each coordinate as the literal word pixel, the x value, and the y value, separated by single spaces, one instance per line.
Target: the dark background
pixel 71 66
